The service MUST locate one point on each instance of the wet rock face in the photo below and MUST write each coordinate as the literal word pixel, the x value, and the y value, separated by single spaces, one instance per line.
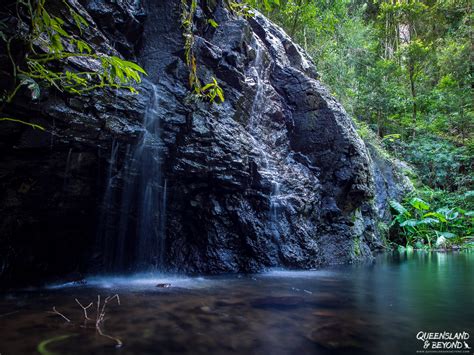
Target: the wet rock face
pixel 275 176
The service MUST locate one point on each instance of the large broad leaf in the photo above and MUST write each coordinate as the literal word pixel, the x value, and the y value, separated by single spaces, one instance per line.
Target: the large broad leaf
pixel 446 234
pixel 428 221
pixel 436 215
pixel 448 213
pixel 399 208
pixel 410 223
pixel 419 204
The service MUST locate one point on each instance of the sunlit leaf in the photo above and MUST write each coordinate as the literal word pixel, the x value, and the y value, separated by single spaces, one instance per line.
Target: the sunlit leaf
pixel 419 204
pixel 213 23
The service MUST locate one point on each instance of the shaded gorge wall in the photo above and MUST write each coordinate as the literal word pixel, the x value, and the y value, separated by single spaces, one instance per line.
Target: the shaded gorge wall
pixel 275 176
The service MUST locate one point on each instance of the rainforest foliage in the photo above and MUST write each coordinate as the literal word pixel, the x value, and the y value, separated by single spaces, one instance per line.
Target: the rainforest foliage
pixel 403 69
pixel 45 48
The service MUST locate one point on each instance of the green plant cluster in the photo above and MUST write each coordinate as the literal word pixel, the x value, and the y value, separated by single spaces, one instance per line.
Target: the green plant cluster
pixel 47 47
pixel 212 90
pixel 440 163
pixel 209 91
pixel 423 226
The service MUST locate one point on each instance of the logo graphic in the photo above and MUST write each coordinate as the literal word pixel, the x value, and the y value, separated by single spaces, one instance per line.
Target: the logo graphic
pixel 444 342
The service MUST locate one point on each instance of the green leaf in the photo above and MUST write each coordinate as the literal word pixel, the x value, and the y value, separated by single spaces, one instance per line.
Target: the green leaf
pixel 428 221
pixel 207 86
pixel 446 234
pixel 46 18
pixel 409 223
pixel 419 204
pixel 449 213
pixel 79 20
pixel 220 93
pixel 213 23
pixel 83 46
pixel 391 137
pixel 59 20
pixel 56 26
pixel 134 66
pixel 398 207
pixel 56 44
pixel 437 215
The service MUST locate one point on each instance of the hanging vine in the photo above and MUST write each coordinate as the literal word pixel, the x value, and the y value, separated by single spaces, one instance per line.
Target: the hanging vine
pixel 212 90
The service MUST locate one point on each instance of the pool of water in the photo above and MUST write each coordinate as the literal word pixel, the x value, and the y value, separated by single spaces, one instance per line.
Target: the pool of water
pixel 374 308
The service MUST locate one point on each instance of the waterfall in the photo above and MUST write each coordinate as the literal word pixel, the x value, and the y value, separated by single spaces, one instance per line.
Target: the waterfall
pixel 258 74
pixel 135 202
pixel 66 171
pixel 274 201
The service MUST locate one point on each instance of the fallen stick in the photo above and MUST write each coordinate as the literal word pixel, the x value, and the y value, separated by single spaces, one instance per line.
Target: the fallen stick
pixel 60 314
pixel 84 308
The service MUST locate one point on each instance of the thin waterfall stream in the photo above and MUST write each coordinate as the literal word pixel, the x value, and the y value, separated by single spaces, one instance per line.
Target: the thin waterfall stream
pixel 134 238
pixel 259 72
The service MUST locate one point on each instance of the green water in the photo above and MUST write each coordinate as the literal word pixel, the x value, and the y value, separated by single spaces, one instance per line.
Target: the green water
pixel 373 308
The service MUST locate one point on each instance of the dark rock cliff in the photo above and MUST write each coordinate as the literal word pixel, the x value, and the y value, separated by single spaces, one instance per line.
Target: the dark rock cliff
pixel 276 176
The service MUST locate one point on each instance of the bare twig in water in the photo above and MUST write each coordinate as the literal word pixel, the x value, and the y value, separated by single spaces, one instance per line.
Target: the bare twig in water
pixel 85 308
pixel 117 340
pixel 101 317
pixel 7 314
pixel 60 314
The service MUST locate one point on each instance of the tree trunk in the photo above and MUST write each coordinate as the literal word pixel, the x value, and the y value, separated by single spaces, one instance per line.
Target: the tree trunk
pixel 295 19
pixel 411 74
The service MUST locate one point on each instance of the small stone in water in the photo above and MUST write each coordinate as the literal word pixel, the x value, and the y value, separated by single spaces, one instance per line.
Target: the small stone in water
pixel 163 285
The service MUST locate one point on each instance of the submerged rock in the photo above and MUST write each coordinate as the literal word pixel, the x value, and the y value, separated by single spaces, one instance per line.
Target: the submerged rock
pixel 275 176
pixel 163 285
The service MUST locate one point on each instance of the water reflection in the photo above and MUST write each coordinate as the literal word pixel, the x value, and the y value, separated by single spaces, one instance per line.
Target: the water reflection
pixel 345 309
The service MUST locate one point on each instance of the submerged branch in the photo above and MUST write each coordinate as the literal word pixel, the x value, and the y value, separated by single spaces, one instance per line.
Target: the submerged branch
pixel 55 311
